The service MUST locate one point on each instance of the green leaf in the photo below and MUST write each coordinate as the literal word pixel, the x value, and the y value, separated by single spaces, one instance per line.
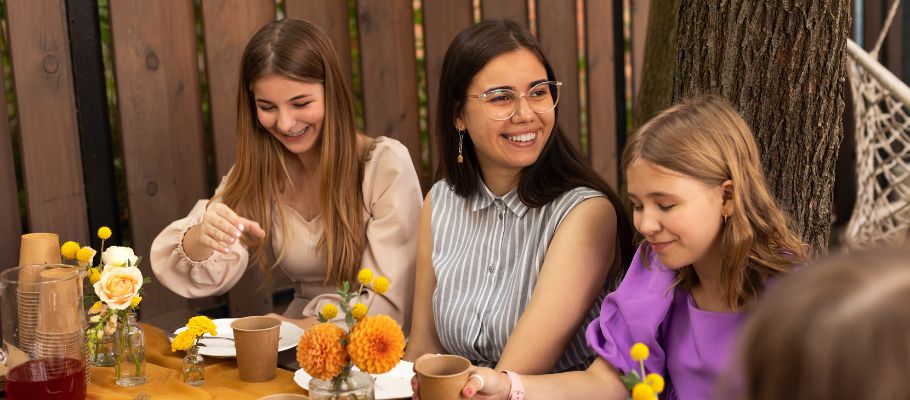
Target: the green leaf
pixel 631 379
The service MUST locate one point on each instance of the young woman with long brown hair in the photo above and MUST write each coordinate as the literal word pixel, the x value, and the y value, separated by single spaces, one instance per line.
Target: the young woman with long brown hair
pixel 307 192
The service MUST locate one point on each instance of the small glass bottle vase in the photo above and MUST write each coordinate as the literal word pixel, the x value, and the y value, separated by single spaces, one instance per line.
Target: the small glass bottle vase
pixel 356 386
pixel 101 349
pixel 129 347
pixel 193 371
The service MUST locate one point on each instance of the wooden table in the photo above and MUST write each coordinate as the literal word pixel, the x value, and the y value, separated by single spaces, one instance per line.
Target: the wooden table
pixel 164 370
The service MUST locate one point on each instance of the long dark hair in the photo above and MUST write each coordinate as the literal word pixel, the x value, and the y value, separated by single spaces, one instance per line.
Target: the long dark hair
pixel 558 169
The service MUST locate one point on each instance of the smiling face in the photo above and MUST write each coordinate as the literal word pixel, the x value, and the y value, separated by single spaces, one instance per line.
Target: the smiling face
pixel 292 111
pixel 515 143
pixel 679 216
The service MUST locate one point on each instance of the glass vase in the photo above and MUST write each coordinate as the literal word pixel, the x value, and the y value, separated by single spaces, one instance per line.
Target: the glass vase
pixel 193 368
pixel 101 348
pixel 129 347
pixel 355 386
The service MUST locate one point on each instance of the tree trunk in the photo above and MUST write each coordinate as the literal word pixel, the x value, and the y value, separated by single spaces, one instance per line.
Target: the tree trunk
pixel 656 92
pixel 782 65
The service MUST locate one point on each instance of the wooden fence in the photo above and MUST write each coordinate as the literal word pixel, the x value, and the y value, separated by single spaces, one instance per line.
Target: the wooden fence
pixel 174 125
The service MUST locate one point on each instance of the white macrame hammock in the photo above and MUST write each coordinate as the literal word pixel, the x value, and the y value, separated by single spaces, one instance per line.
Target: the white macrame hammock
pixel 881 215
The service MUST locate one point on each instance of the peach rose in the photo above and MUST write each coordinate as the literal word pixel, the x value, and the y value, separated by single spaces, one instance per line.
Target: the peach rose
pixel 118 285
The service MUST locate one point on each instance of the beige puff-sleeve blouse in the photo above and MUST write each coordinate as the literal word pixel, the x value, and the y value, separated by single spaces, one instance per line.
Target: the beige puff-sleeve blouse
pixel 392 201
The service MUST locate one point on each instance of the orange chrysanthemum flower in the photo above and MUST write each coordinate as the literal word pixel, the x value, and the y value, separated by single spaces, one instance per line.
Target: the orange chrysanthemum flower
pixel 320 352
pixel 376 344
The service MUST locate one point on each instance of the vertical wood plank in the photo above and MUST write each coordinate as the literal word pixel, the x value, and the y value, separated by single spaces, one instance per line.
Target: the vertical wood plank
pixel 557 29
pixel 157 76
pixel 442 21
pixel 516 10
pixel 10 222
pixel 605 87
pixel 640 9
pixel 389 69
pixel 228 26
pixel 332 17
pixel 39 49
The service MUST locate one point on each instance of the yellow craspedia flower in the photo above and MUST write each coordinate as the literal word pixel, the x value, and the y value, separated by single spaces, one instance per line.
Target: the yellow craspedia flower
pixel 85 255
pixel 104 233
pixel 639 352
pixel 376 344
pixel 69 249
pixel 183 341
pixel 94 276
pixel 320 352
pixel 365 276
pixel 359 311
pixel 381 285
pixel 329 311
pixel 201 325
pixel 655 381
pixel 135 301
pixel 642 392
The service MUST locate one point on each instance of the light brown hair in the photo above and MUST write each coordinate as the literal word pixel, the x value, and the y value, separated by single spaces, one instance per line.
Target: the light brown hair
pixel 299 51
pixel 838 329
pixel 706 139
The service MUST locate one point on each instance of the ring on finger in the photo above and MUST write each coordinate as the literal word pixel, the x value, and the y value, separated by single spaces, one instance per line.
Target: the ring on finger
pixel 479 378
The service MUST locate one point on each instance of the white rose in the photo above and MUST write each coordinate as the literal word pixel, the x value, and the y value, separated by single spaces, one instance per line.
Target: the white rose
pixel 117 286
pixel 118 256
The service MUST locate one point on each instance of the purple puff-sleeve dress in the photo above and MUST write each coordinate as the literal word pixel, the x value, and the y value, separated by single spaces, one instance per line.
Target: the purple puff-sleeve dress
pixel 689 347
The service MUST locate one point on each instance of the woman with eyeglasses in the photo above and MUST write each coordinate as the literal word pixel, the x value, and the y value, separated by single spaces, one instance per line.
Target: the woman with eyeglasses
pixel 519 241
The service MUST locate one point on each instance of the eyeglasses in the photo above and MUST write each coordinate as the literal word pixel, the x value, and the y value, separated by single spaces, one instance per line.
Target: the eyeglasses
pixel 501 104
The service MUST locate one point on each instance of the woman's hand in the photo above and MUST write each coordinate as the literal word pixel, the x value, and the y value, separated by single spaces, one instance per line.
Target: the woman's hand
pixel 220 227
pixel 483 383
pixel 486 384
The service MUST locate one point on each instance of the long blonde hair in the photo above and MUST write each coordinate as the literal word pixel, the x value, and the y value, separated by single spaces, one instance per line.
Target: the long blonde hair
pixel 299 51
pixel 706 139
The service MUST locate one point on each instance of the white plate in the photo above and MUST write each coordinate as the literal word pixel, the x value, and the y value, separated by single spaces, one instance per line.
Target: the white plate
pixel 395 384
pixel 223 348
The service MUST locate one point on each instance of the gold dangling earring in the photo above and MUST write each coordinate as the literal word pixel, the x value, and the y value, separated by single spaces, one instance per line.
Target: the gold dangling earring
pixel 460 146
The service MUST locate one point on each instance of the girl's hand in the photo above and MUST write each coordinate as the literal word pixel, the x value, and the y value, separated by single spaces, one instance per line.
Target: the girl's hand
pixel 220 227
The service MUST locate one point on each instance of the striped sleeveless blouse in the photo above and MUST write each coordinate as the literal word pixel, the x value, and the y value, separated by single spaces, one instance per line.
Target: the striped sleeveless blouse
pixel 487 254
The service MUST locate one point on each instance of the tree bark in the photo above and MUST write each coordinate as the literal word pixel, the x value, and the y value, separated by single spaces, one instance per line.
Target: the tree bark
pixel 782 65
pixel 656 91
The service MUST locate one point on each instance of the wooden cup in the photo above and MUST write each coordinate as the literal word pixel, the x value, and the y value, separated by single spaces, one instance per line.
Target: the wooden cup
pixel 256 342
pixel 39 248
pixel 442 377
pixel 60 299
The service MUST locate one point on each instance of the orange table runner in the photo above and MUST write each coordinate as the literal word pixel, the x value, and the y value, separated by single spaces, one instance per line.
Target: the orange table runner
pixel 164 369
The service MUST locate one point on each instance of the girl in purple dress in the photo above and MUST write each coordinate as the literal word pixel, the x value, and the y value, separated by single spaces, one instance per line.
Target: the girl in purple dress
pixel 713 236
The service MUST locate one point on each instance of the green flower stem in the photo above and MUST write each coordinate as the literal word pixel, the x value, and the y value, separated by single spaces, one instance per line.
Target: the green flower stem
pixel 642 362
